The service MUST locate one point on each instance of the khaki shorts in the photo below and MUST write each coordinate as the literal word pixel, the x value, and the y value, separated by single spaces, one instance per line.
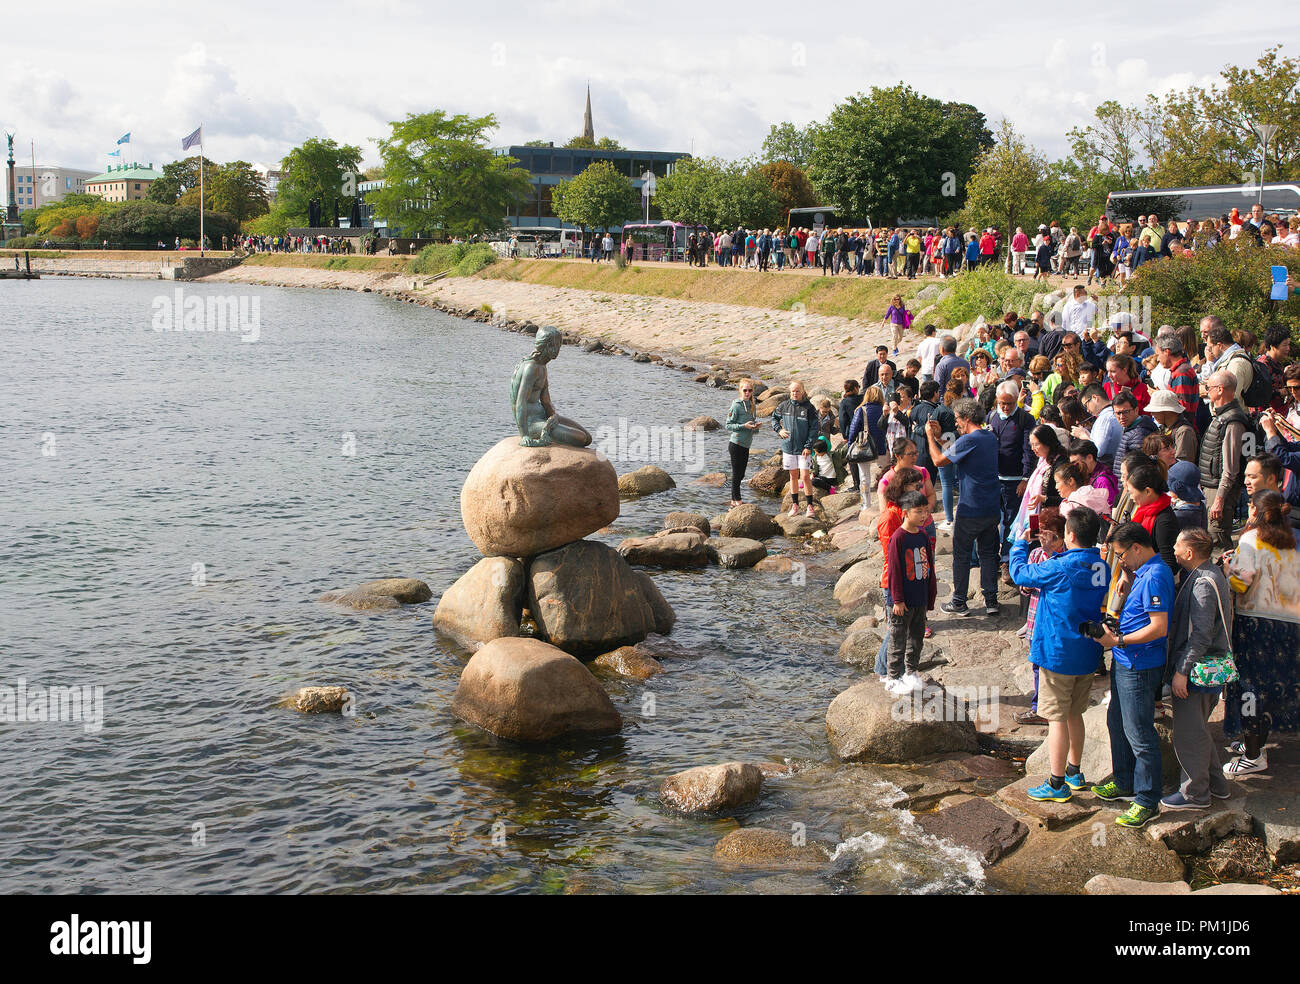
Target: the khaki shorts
pixel 1061 696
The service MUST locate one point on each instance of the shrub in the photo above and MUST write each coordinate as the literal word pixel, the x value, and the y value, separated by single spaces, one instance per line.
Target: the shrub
pixel 1231 280
pixel 986 290
pixel 457 259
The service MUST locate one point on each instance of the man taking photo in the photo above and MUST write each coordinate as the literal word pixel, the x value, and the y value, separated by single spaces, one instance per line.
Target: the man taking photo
pixel 1137 677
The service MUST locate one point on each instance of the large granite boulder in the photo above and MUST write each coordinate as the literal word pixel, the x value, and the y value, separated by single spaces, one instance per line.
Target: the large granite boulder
pixel 528 691
pixel 866 723
pixel 770 479
pixel 669 548
pixel 519 501
pixel 1062 862
pixel 710 788
pixel 587 600
pixel 680 520
pixel 485 603
pixel 407 590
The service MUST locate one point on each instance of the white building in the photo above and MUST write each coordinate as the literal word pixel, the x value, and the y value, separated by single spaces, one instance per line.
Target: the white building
pixel 46 183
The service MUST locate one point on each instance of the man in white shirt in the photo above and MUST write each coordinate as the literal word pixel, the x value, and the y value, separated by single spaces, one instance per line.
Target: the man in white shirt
pixel 928 353
pixel 607 247
pixel 1079 312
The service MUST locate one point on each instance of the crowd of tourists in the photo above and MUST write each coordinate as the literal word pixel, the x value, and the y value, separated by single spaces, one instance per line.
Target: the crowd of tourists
pixel 298 244
pixel 1108 251
pixel 1140 489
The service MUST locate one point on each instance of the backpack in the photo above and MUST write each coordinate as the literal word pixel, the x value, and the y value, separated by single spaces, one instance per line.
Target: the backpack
pixel 1260 391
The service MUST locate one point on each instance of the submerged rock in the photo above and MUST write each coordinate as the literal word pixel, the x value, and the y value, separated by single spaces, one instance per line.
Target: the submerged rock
pixel 320 700
pixel 679 520
pixel 360 601
pixel 629 661
pixel 407 590
pixel 758 847
pixel 710 788
pixel 528 691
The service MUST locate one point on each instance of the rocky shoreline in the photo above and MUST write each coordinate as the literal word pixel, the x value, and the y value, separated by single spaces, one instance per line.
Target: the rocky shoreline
pixel 955 754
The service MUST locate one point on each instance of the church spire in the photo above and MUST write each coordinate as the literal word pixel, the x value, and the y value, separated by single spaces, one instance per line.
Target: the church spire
pixel 587 130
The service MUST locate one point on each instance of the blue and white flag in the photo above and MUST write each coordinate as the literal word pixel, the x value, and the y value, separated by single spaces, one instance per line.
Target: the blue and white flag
pixel 125 138
pixel 194 138
pixel 115 153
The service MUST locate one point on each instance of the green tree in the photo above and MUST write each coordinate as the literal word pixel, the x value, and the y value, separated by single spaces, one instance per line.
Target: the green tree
pixel 894 152
pixel 440 176
pixel 320 169
pixel 586 143
pixel 598 198
pixel 719 194
pixel 787 142
pixel 238 189
pixel 1207 136
pixel 1008 184
pixel 180 176
pixel 1113 144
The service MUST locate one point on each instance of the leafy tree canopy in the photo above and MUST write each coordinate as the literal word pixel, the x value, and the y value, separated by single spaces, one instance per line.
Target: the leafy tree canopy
pixel 598 198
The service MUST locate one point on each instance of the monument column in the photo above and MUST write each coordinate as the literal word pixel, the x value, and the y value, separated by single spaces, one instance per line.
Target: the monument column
pixel 11 215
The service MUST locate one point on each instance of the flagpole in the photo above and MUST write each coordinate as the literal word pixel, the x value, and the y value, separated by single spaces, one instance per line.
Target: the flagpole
pixel 200 189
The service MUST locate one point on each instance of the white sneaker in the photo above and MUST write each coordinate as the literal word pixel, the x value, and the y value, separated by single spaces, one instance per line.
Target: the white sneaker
pixel 794 510
pixel 913 681
pixel 944 527
pixel 1246 767
pixel 810 512
pixel 898 686
pixel 884 681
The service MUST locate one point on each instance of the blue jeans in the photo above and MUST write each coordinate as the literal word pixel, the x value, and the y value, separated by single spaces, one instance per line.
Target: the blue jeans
pixel 971 532
pixel 947 478
pixel 1010 506
pixel 882 657
pixel 1131 721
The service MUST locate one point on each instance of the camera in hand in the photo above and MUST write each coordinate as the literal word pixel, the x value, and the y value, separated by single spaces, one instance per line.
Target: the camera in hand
pixel 1095 630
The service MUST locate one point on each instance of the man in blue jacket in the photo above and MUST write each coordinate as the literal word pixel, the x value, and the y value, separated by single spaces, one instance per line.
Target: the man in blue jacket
pixel 1071 590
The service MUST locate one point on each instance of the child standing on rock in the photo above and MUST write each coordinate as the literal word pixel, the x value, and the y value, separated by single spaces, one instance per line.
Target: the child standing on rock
pixel 912 589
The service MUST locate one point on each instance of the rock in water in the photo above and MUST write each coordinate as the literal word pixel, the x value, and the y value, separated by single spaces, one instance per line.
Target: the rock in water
pixel 759 847
pixel 485 603
pixel 750 522
pixel 629 661
pixel 702 424
pixel 667 549
pixel 677 520
pixel 866 723
pixel 646 480
pixel 770 479
pixel 664 616
pixel 360 601
pixel 710 788
pixel 587 600
pixel 736 551
pixel 320 700
pixel 407 590
pixel 525 690
pixel 518 501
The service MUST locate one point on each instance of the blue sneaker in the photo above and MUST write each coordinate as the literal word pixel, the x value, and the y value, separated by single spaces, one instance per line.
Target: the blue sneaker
pixel 1077 782
pixel 1177 801
pixel 1049 794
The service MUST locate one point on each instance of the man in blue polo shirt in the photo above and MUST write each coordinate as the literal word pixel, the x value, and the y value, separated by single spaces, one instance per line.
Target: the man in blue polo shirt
pixel 975 457
pixel 1139 647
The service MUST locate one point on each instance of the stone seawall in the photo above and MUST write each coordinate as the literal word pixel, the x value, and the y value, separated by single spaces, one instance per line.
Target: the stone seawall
pixel 180 268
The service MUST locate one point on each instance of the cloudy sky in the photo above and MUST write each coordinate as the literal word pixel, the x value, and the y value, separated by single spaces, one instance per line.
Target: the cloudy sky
pixel 702 77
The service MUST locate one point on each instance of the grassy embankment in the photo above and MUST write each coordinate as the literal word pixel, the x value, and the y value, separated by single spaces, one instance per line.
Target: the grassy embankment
pixel 324 261
pixel 851 297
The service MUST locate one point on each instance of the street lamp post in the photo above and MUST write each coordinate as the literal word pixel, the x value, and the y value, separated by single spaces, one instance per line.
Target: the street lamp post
pixel 1265 132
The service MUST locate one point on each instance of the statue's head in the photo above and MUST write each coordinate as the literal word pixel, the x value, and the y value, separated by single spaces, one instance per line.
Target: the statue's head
pixel 546 342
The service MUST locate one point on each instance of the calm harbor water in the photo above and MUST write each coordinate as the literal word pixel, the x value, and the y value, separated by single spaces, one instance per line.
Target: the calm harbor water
pixel 174 502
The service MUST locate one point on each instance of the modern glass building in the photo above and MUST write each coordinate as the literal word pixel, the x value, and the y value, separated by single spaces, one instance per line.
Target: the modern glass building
pixel 549 165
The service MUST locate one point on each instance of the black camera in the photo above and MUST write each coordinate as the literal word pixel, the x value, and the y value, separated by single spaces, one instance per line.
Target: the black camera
pixel 1095 630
